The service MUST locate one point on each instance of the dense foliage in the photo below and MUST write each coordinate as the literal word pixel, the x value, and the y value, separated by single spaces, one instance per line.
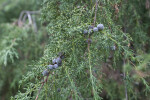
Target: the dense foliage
pixel 111 64
pixel 19 46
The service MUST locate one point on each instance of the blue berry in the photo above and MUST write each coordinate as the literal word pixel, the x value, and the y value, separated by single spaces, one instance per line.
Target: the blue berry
pixel 113 47
pixel 58 89
pixel 45 72
pixel 89 40
pixel 55 66
pixel 62 55
pixel 100 27
pixel 95 29
pixel 91 27
pixel 90 31
pixel 85 32
pixel 58 61
pixel 54 61
pixel 50 67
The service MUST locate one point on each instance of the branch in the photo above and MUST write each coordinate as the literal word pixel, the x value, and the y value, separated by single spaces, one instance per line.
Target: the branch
pixel 27 13
pixel 95 12
pixel 34 24
pixel 29 17
pixel 93 89
pixel 125 85
pixel 24 18
pixel 42 86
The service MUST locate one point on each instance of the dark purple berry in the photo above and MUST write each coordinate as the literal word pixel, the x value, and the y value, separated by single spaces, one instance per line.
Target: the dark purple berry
pixel 58 89
pixel 113 47
pixel 58 61
pixel 85 32
pixel 62 55
pixel 55 66
pixel 100 27
pixel 54 61
pixel 95 29
pixel 90 31
pixel 45 72
pixel 91 27
pixel 50 67
pixel 89 40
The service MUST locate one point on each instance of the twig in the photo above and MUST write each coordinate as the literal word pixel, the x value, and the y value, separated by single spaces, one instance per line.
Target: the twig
pixel 23 15
pixel 125 85
pixel 29 17
pixel 95 13
pixel 42 86
pixel 34 24
pixel 24 18
pixel 31 12
pixel 106 17
pixel 132 63
pixel 93 25
pixel 93 89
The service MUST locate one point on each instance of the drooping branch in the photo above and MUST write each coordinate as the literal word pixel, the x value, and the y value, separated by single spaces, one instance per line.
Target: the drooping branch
pixel 42 86
pixel 47 73
pixel 124 76
pixel 28 15
pixel 27 12
pixel 95 12
pixel 89 55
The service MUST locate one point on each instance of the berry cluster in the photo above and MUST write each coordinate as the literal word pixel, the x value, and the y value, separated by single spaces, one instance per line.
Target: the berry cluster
pixel 55 64
pixel 92 29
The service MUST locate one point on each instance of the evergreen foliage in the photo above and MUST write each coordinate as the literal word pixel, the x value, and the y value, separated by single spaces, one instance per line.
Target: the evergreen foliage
pixel 111 63
pixel 18 46
pixel 11 9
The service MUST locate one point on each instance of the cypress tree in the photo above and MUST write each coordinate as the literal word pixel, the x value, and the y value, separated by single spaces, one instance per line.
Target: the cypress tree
pixel 97 49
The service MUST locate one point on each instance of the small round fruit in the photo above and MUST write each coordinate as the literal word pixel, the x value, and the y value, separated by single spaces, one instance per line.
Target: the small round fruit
pixel 54 61
pixel 58 89
pixel 91 27
pixel 85 32
pixel 45 72
pixel 95 29
pixel 58 61
pixel 55 66
pixel 100 27
pixel 113 47
pixel 90 31
pixel 89 40
pixel 62 55
pixel 50 67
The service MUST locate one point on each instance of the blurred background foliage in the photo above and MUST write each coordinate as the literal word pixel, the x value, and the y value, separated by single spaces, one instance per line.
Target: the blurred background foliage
pixel 86 74
pixel 19 46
